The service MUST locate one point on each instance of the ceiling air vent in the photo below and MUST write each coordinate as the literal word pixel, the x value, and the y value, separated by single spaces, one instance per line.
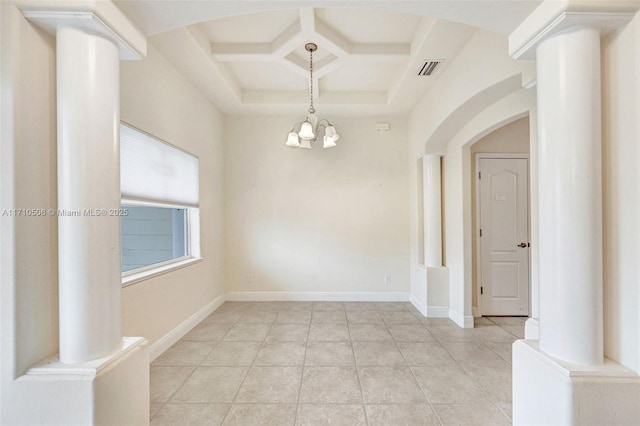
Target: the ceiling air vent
pixel 430 67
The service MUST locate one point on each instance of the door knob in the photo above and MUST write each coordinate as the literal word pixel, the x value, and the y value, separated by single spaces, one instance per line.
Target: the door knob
pixel 523 245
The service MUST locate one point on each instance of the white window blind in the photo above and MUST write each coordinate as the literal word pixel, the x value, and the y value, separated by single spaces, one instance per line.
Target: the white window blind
pixel 153 170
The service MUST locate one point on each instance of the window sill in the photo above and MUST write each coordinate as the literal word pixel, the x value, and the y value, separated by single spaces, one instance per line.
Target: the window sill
pixel 136 277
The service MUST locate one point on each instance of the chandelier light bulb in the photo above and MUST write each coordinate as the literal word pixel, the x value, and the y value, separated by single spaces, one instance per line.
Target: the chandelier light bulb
pixel 306 131
pixel 331 132
pixel 328 142
pixel 292 140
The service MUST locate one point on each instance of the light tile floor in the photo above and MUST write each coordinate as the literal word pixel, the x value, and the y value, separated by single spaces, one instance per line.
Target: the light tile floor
pixel 351 363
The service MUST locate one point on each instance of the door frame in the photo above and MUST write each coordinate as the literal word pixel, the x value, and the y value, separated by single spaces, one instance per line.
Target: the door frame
pixel 478 244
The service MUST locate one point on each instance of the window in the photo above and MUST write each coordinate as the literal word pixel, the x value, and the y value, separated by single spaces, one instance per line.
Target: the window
pixel 160 224
pixel 152 235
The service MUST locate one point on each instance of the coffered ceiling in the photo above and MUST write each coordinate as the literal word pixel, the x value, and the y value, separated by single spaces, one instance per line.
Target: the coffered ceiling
pixel 368 60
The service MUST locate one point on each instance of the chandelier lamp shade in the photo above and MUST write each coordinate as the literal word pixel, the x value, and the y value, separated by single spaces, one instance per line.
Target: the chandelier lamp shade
pixel 309 130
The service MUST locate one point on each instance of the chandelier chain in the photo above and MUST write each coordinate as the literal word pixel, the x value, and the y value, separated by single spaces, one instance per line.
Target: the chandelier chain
pixel 311 108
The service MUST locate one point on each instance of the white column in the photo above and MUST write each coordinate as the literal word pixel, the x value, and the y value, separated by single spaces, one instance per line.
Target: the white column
pixel 432 210
pixel 570 196
pixel 88 185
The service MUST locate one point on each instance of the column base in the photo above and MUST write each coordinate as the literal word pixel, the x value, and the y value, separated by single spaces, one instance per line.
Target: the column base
pixel 107 391
pixel 549 391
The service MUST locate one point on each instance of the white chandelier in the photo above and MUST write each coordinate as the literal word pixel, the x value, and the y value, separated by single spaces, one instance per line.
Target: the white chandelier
pixel 310 128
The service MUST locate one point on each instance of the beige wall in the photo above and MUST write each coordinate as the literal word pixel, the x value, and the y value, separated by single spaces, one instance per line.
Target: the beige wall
pixel 511 138
pixel 159 100
pixel 621 193
pixel 321 220
pixel 28 245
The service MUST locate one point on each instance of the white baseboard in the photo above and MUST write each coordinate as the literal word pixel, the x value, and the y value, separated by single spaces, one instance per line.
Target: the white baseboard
pixel 418 305
pixel 303 296
pixel 429 311
pixel 178 333
pixel 461 320
pixel 438 311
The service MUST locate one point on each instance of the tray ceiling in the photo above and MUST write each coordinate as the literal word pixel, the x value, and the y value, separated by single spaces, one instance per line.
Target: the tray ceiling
pixel 367 61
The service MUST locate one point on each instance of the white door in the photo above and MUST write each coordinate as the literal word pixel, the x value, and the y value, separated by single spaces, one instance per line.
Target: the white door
pixel 504 241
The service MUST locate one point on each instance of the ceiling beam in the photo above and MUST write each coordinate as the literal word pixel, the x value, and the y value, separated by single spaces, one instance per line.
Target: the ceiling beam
pixel 302 98
pixel 242 52
pixel 308 20
pixel 288 40
pixel 327 38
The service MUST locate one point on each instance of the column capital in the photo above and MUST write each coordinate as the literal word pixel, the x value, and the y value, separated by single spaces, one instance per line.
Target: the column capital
pixel 553 17
pixel 102 18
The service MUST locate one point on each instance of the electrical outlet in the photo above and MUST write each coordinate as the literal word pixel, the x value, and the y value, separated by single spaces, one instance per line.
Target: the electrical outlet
pixel 387 279
pixel 249 279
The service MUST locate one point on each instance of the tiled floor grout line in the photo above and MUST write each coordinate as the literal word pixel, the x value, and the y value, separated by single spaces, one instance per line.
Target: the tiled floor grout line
pixel 304 364
pixel 355 364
